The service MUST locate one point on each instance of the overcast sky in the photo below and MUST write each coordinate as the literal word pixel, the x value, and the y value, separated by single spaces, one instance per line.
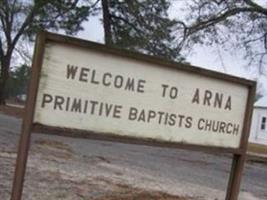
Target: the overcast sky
pixel 214 58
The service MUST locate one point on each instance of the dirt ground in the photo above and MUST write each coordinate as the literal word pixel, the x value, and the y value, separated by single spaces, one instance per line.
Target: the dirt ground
pixel 46 180
pixel 57 183
pixel 127 193
pixel 63 168
pixel 106 189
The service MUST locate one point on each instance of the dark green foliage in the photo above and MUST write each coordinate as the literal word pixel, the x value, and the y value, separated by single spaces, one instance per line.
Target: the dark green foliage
pixel 58 15
pixel 18 81
pixel 144 26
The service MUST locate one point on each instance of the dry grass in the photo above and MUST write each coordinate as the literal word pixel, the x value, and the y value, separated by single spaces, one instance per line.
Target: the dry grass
pixel 257 148
pixel 54 144
pixel 126 192
pixel 144 195
pixel 54 149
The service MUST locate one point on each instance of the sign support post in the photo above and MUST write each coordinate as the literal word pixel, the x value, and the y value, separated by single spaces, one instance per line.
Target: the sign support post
pixel 26 129
pixel 239 160
pixel 235 177
pixel 238 149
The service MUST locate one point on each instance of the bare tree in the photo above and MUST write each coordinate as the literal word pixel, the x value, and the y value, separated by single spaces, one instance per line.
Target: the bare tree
pixel 240 23
pixel 23 18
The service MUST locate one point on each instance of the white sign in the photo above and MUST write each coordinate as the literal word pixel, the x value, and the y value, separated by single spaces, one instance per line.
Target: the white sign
pixel 91 90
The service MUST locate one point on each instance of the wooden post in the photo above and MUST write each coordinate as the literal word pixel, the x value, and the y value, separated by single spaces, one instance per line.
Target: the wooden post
pixel 24 143
pixel 235 177
pixel 238 161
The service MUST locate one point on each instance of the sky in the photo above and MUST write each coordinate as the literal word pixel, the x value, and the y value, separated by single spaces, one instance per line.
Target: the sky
pixel 208 57
pixel 205 57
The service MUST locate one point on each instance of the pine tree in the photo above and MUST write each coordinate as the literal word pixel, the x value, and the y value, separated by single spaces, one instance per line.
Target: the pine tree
pixel 141 26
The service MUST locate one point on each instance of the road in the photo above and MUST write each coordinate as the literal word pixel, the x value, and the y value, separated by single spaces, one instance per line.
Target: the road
pixel 70 168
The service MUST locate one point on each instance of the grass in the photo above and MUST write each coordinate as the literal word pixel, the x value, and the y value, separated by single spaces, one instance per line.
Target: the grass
pixel 125 192
pixel 257 148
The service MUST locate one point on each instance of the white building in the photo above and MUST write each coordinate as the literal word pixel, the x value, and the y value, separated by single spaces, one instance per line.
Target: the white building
pixel 258 132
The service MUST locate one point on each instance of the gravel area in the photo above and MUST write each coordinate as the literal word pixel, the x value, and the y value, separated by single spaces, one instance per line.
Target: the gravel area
pixel 71 168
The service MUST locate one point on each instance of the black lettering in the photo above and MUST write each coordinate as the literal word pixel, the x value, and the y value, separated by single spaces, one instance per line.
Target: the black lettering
pixel 228 105
pixel 151 115
pixel 71 71
pixel 59 100
pixel 76 105
pixel 100 109
pixel 160 116
pixel 215 126
pixel 196 97
pixel 173 92
pixel 164 89
pixel 67 104
pixel 93 78
pixel 141 86
pixel 236 129
pixel 105 81
pixel 188 122
pixel 108 108
pixel 172 119
pixel 117 111
pixel 129 84
pixel 229 129
pixel 84 74
pixel 208 125
pixel 222 127
pixel 166 118
pixel 93 103
pixel 142 116
pixel 181 117
pixel 132 113
pixel 118 81
pixel 85 107
pixel 207 97
pixel 47 98
pixel 200 125
pixel 218 100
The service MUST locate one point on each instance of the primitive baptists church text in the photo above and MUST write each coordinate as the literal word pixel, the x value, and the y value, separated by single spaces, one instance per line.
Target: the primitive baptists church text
pixel 143 115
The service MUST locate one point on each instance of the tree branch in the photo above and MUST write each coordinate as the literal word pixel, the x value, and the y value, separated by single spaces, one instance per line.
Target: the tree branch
pixel 12 12
pixel 94 4
pixel 127 22
pixel 26 22
pixel 1 48
pixel 256 6
pixel 4 21
pixel 255 39
pixel 216 19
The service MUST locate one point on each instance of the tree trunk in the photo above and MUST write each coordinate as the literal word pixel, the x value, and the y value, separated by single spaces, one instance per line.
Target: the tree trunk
pixel 107 22
pixel 5 64
pixel 2 91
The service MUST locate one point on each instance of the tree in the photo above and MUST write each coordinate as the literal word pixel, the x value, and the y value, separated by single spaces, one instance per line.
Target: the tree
pixel 240 23
pixel 142 26
pixel 21 19
pixel 18 81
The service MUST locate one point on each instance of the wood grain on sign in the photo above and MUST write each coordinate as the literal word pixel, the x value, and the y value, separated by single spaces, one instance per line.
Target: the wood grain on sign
pixel 86 89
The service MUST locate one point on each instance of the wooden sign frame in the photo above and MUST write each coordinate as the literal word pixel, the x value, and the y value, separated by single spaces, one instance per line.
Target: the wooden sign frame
pixel 239 154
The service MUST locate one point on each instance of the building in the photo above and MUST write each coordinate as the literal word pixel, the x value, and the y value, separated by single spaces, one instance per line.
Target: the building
pixel 258 132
